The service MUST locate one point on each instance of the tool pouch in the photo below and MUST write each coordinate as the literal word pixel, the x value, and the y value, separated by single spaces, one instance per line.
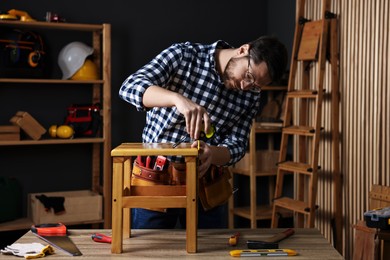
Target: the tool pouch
pixel 143 176
pixel 214 187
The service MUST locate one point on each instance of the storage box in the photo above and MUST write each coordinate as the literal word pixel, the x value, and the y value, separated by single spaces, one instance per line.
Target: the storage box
pixel 379 218
pixel 80 207
pixel 9 133
pixel 266 161
pixel 29 125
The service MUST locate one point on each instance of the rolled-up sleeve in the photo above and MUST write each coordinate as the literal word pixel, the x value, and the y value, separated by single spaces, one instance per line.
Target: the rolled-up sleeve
pixel 157 72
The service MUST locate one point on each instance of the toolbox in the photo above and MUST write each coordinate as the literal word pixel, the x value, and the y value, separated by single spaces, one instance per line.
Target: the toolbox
pixel 378 218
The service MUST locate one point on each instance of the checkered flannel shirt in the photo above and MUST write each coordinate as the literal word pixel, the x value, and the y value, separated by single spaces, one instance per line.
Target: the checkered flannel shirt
pixel 189 69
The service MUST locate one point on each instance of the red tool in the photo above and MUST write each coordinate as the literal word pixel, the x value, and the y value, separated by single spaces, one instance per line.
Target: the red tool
pixel 101 238
pixel 160 162
pixel 148 160
pixel 139 160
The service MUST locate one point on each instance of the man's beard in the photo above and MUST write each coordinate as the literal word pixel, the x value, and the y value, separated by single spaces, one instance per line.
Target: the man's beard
pixel 230 81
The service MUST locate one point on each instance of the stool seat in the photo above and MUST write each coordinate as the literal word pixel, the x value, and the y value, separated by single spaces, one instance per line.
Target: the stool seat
pixel 125 197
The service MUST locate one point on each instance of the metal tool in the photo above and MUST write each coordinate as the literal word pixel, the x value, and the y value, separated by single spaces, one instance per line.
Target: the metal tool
pixel 203 136
pixel 270 243
pixel 56 235
pixel 179 142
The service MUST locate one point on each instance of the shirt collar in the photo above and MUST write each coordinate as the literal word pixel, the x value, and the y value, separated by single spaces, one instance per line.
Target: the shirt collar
pixel 220 44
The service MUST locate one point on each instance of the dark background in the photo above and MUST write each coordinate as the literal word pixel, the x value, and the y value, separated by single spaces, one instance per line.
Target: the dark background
pixel 140 30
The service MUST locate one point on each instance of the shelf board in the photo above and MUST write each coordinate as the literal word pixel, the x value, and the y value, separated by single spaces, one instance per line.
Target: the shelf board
pixel 53 25
pixel 53 141
pixel 267 129
pixel 49 81
pixel 26 223
pixel 262 212
pixel 18 224
pixel 245 172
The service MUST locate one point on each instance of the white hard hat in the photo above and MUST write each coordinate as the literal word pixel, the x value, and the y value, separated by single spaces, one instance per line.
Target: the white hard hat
pixel 72 57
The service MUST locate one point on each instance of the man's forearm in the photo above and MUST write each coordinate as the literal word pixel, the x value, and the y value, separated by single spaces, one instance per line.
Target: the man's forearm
pixel 156 96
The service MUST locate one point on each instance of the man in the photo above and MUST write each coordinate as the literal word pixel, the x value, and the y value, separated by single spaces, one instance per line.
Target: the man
pixel 188 88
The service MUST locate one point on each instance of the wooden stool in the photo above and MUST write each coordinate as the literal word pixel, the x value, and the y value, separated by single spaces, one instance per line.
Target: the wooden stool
pixel 125 196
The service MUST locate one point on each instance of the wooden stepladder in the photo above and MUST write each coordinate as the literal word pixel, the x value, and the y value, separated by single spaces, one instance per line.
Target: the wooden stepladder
pixel 313 41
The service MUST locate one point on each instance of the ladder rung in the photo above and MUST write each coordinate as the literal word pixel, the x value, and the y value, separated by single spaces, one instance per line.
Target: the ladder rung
pixel 299 130
pixel 302 93
pixel 291 204
pixel 296 167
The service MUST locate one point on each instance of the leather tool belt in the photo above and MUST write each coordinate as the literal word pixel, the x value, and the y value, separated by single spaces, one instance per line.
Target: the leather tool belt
pixel 214 187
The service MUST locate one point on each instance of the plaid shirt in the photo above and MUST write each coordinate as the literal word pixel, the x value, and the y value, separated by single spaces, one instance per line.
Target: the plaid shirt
pixel 189 69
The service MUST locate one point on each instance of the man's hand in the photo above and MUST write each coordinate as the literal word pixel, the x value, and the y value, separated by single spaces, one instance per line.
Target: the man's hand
pixel 205 157
pixel 195 115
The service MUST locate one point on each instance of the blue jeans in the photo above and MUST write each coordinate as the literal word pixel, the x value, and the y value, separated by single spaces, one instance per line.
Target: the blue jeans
pixel 176 218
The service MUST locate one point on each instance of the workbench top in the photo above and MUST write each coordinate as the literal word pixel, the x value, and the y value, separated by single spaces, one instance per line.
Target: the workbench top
pixel 170 244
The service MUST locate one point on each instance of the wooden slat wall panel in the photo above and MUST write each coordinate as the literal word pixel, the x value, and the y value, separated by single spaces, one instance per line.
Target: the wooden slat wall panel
pixel 364 112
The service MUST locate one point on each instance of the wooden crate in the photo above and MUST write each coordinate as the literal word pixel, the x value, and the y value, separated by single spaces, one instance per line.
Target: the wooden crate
pixel 28 124
pixel 9 133
pixel 81 206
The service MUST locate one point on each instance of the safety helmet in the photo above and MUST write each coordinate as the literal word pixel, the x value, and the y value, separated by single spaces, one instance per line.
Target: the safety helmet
pixel 88 71
pixel 72 57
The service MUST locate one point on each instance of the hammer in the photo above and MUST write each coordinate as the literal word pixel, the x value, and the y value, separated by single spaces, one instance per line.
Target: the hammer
pixel 270 243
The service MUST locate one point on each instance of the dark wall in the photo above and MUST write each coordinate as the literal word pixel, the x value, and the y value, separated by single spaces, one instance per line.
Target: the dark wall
pixel 140 30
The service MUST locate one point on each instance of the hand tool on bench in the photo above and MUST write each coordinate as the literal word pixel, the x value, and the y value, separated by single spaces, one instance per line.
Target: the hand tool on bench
pixel 101 238
pixel 57 236
pixel 270 243
pixel 233 240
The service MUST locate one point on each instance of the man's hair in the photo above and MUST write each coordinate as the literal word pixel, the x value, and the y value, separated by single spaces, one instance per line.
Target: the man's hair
pixel 270 50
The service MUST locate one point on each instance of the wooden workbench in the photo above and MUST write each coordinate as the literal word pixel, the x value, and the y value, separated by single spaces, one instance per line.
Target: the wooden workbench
pixel 171 244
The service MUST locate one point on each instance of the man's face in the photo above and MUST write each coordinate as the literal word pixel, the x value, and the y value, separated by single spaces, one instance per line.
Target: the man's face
pixel 243 75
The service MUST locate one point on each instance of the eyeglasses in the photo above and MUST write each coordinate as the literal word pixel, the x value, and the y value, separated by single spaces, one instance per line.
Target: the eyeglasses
pixel 250 80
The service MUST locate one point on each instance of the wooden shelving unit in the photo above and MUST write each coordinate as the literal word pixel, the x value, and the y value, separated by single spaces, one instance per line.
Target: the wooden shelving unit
pixel 250 169
pixel 100 93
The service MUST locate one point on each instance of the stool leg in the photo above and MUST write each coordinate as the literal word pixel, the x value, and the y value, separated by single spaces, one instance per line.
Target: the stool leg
pixel 126 188
pixel 117 213
pixel 192 204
